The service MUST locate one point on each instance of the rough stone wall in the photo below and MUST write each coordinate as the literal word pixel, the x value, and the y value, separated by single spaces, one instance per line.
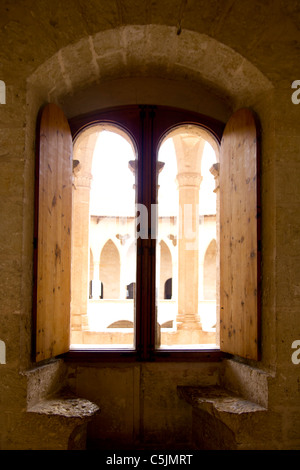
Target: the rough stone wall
pixel 144 411
pixel 99 53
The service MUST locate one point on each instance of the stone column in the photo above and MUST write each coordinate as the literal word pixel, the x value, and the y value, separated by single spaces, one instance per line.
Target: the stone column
pixel 188 251
pixel 189 149
pixel 80 255
pixel 215 171
pixel 83 152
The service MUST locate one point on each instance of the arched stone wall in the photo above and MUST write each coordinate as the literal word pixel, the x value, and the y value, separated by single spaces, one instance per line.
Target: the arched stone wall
pixel 267 34
pixel 139 64
pixel 144 64
pixel 81 76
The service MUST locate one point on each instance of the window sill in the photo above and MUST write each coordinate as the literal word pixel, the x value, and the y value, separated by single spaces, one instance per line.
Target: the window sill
pixel 170 355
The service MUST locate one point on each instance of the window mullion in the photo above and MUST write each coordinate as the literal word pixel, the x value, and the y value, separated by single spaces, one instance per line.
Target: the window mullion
pixel 145 315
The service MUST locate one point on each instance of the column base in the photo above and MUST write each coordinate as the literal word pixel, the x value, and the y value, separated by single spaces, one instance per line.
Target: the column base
pixel 188 338
pixel 188 322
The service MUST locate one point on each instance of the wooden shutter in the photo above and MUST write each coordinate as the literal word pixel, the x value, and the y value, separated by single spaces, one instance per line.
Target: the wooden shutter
pixel 240 237
pixel 53 234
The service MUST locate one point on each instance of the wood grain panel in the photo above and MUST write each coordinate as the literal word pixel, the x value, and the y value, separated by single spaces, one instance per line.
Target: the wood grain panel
pixel 53 233
pixel 239 237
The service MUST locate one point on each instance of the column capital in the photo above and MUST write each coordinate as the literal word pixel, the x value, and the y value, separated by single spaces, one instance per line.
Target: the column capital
pixel 215 171
pixel 189 179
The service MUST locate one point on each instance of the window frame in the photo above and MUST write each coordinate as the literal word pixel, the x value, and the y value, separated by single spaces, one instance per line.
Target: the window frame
pixel 148 125
pixel 151 123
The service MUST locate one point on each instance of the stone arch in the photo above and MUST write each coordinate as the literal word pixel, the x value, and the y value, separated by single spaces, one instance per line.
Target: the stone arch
pixel 209 271
pixel 85 143
pixel 121 324
pixel 109 270
pixel 141 51
pixel 191 131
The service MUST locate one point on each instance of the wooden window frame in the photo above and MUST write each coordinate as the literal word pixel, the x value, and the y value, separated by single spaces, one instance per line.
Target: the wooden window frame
pixel 150 123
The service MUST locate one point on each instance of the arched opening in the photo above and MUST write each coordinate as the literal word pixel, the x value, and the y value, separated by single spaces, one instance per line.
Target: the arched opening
pixel 109 271
pixel 103 213
pixel 187 212
pixel 151 126
pixel 106 176
pixel 168 289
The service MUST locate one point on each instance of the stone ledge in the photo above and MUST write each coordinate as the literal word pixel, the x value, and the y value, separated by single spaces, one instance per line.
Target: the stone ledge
pixel 60 422
pixel 217 399
pixel 222 420
pixel 67 406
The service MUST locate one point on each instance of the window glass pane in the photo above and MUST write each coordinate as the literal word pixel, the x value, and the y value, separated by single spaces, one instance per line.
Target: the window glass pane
pixel 186 255
pixel 104 240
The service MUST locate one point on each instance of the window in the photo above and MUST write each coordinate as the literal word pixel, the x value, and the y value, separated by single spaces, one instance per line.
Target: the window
pixel 104 239
pixel 186 213
pixel 168 264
